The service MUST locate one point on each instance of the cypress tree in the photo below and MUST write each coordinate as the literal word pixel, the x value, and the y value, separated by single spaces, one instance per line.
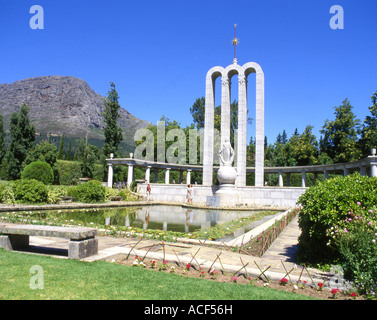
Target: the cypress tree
pixel 61 148
pixel 112 132
pixel 2 138
pixel 69 150
pixel 22 138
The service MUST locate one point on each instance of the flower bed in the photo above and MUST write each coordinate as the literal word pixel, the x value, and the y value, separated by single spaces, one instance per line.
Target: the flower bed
pixel 258 245
pixel 190 270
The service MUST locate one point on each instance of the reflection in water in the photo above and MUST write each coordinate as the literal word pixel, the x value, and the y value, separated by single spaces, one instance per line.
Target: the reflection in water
pixel 189 216
pixel 168 218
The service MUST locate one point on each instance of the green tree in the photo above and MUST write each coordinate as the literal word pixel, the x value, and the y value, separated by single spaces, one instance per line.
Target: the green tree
pixel 280 154
pixel 61 149
pixel 279 138
pixel 369 130
pixel 2 139
pixel 43 151
pixel 197 111
pixel 305 147
pixel 69 150
pixel 22 138
pixel 91 156
pixel 340 136
pixel 112 131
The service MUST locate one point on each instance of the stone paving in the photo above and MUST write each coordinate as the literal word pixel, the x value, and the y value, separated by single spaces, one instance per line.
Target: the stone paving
pixel 278 259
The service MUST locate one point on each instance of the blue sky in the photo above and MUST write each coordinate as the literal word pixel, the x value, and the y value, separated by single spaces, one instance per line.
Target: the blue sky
pixel 158 53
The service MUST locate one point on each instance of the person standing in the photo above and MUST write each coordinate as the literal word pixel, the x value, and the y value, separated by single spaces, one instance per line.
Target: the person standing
pixel 188 194
pixel 149 190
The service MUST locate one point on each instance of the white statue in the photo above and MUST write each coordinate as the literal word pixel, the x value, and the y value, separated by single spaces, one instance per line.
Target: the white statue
pixel 226 153
pixel 226 174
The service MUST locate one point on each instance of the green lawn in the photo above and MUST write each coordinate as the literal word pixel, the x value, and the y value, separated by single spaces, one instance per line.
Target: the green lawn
pixel 71 279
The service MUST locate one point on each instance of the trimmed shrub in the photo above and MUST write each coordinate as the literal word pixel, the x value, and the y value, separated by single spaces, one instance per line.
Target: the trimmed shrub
pixel 7 194
pixel 110 192
pixel 68 172
pixel 30 191
pixel 88 192
pixel 55 192
pixel 323 206
pixel 38 170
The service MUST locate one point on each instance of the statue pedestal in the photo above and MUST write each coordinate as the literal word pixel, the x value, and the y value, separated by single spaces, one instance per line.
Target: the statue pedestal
pixel 228 194
pixel 227 175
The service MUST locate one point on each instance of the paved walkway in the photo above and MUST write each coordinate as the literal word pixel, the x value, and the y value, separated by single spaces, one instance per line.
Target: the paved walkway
pixel 279 258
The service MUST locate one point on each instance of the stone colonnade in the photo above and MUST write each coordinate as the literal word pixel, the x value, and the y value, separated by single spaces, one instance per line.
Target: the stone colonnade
pixel 226 74
pixel 366 166
pixel 149 166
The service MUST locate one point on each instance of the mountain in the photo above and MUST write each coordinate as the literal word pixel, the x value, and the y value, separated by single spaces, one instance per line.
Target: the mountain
pixel 63 104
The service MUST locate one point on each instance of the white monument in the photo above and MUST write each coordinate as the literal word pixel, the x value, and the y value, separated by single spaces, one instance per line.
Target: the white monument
pixel 226 174
pixel 226 75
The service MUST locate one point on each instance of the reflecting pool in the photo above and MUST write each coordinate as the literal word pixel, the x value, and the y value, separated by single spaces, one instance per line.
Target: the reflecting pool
pixel 167 218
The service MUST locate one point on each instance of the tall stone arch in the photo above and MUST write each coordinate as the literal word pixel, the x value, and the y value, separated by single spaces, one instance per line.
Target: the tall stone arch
pixel 226 74
pixel 209 122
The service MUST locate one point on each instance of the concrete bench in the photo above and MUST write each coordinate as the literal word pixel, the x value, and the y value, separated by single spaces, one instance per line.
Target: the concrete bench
pixel 66 199
pixel 116 198
pixel 82 242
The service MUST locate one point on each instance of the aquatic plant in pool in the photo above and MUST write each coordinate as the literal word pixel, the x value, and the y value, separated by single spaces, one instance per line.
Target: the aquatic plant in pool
pixel 159 222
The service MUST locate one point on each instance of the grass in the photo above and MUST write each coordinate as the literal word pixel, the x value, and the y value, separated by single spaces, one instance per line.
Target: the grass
pixel 77 280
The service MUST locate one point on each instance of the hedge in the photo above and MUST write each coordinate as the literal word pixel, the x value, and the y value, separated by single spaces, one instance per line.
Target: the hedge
pixel 68 172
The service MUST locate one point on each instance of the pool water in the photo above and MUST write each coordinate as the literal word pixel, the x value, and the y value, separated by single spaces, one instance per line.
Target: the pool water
pixel 167 218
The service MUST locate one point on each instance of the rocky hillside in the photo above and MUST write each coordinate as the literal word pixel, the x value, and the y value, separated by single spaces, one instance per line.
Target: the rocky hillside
pixel 63 104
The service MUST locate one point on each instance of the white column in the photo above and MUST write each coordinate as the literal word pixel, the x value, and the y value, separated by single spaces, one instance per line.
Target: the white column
pixel 326 174
pixel 188 176
pixel 130 174
pixel 303 179
pixel 363 171
pixel 345 172
pixel 281 182
pixel 225 110
pixel 148 173
pixel 242 131
pixel 110 176
pixel 373 170
pixel 259 132
pixel 373 163
pixel 167 176
pixel 208 130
